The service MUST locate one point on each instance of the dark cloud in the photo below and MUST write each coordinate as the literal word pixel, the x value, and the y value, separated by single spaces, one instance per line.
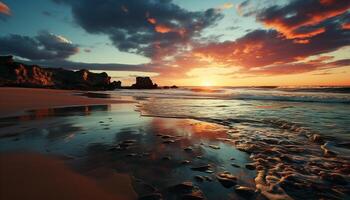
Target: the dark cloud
pixel 44 46
pixel 265 47
pixel 301 67
pixel 92 66
pixel 300 18
pixel 153 28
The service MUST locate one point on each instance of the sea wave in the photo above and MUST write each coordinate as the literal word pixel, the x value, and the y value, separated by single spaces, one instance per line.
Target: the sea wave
pixel 260 94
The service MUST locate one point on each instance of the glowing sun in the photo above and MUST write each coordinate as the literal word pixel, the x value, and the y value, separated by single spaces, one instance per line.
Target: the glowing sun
pixel 207 83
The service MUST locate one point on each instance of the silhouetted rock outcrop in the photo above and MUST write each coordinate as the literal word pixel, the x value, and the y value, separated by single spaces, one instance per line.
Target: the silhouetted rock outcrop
pixel 144 83
pixel 21 75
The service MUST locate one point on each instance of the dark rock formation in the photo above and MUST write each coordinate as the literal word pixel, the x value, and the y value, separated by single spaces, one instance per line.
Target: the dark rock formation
pixel 144 83
pixel 21 75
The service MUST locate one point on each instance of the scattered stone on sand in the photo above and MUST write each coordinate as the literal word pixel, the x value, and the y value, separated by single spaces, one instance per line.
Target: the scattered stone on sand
pixel 326 150
pixel 250 166
pixel 166 136
pixel 317 139
pixel 131 155
pixel 245 192
pixel 235 165
pixel 185 162
pixel 199 178
pixel 208 178
pixel 166 158
pixel 195 195
pixel 184 187
pixel 214 146
pixel 227 179
pixel 202 168
pixel 188 149
pixel 153 196
pixel 168 141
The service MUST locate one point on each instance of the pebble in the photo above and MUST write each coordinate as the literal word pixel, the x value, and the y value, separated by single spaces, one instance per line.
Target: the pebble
pixel 214 147
pixel 168 141
pixel 202 168
pixel 227 179
pixel 185 162
pixel 234 165
pixel 188 149
pixel 245 192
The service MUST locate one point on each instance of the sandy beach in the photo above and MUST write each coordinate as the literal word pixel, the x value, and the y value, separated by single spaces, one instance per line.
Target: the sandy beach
pixel 158 147
pixel 16 100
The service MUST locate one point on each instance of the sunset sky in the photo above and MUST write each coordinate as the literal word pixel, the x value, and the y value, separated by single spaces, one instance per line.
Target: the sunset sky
pixel 185 42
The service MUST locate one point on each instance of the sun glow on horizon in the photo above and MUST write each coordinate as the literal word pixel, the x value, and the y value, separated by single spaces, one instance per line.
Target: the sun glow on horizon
pixel 207 83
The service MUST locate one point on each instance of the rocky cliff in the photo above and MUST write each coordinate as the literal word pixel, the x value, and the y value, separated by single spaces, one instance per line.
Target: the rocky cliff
pixel 21 75
pixel 144 83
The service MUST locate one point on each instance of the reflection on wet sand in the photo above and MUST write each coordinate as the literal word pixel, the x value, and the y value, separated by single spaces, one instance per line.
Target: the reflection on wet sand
pixel 183 158
pixel 160 154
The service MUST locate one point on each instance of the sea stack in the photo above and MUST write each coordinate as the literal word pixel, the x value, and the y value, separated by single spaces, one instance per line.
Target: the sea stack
pixel 144 83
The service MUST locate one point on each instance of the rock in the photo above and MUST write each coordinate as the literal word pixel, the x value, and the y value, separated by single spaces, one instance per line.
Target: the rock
pixel 21 75
pixel 199 178
pixel 195 195
pixel 188 149
pixel 166 136
pixel 184 187
pixel 153 196
pixel 317 139
pixel 168 141
pixel 166 158
pixel 245 192
pixel 214 147
pixel 185 162
pixel 202 168
pixel 227 179
pixel 250 166
pixel 208 178
pixel 131 155
pixel 234 165
pixel 144 83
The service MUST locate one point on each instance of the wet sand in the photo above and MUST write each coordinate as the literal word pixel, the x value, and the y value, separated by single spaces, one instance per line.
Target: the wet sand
pixel 16 100
pixel 173 158
pixel 35 176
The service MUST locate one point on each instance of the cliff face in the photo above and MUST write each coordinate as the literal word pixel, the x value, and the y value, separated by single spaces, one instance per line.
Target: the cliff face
pixel 17 74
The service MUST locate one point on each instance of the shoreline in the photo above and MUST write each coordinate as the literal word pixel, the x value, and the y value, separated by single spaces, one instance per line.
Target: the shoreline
pixel 15 100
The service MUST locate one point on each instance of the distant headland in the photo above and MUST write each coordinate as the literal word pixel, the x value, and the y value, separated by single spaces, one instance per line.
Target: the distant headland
pixel 15 74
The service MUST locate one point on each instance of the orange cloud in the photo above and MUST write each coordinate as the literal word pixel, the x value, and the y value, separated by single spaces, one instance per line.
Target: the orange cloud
pixel 152 20
pixel 225 6
pixel 346 25
pixel 301 41
pixel 289 20
pixel 4 9
pixel 162 28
